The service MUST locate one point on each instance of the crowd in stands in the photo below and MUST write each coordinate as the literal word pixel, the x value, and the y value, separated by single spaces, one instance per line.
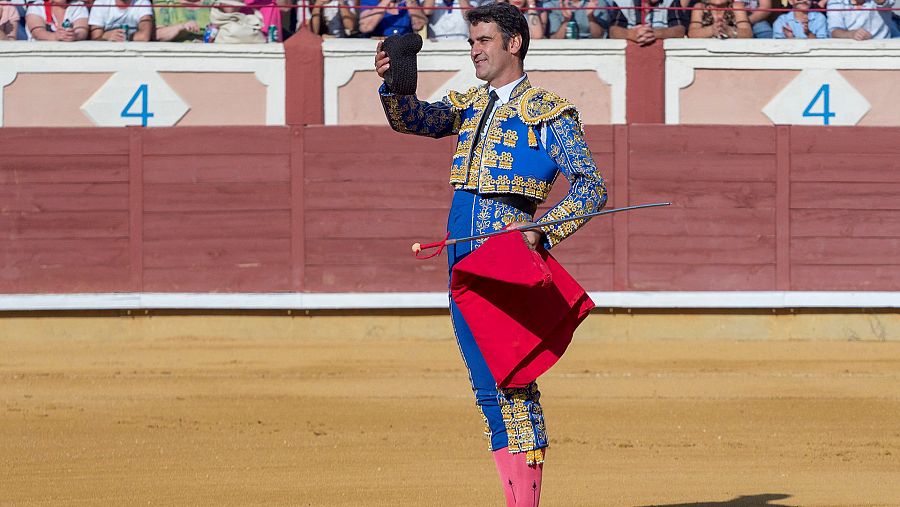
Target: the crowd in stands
pixel 640 21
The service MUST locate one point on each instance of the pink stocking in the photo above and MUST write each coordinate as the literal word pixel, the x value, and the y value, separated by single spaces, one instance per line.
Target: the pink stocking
pixel 528 477
pixel 521 481
pixel 508 479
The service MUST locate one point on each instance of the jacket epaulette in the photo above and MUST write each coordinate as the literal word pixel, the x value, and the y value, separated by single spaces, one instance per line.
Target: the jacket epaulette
pixel 462 100
pixel 538 105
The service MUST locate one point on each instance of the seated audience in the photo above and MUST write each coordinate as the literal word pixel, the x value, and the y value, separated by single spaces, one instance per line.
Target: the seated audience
pixel 9 22
pixel 121 20
pixel 846 21
pixel 326 18
pixel 65 23
pixel 589 16
pixel 270 10
pixel 710 21
pixel 800 23
pixel 181 24
pixel 652 22
pixel 447 19
pixel 391 18
pixel 759 19
pixel 537 20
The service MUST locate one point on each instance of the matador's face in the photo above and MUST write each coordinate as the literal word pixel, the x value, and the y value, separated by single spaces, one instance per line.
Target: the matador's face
pixel 493 63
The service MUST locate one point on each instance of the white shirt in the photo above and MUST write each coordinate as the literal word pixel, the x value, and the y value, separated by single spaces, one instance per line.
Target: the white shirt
pixel 504 92
pixel 444 24
pixel 870 21
pixel 75 10
pixel 106 15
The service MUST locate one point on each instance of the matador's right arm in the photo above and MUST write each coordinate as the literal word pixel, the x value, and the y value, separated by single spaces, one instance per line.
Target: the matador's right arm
pixel 409 115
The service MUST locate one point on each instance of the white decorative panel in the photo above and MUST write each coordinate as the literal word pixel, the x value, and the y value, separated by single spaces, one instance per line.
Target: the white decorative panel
pixel 135 97
pixel 817 97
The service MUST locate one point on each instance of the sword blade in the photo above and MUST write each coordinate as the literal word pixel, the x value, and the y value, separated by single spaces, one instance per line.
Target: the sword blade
pixel 453 241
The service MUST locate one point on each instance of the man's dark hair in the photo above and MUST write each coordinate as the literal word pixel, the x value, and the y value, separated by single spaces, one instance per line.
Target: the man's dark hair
pixel 509 21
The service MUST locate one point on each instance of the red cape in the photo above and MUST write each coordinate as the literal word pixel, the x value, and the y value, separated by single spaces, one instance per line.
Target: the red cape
pixel 521 306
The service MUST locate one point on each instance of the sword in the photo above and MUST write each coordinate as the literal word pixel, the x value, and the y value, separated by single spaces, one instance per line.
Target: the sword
pixel 417 248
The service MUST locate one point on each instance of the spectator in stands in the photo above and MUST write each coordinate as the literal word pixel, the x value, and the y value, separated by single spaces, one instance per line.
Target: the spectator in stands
pixel 589 15
pixel 759 19
pixel 447 19
pixel 9 22
pixel 800 23
pixel 537 20
pixel 390 18
pixel 271 14
pixel 653 21
pixel 121 20
pixel 720 19
pixel 181 24
pixel 852 19
pixel 21 9
pixel 326 17
pixel 64 23
pixel 239 22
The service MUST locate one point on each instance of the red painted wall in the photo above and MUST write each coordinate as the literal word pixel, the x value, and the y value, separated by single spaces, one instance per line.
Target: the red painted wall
pixel 334 209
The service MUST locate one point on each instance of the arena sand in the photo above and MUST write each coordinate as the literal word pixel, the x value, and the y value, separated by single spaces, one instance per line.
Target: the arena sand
pixel 211 420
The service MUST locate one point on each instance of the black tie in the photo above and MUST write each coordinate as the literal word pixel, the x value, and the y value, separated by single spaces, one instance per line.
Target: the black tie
pixel 484 117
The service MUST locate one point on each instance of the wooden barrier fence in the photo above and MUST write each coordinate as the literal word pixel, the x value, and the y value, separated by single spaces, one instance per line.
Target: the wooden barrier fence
pixel 335 209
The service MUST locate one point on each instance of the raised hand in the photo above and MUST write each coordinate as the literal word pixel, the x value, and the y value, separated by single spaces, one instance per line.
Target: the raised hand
pixel 382 62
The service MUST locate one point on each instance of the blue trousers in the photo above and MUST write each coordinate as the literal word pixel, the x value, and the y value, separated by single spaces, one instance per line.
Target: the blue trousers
pixel 513 417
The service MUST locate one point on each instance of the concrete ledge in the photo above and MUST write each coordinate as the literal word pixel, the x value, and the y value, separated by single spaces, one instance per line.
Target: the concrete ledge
pixel 316 326
pixel 435 300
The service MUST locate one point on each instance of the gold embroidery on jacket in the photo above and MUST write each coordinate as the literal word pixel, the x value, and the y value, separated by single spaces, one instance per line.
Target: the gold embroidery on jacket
pixel 588 193
pixel 466 98
pixel 538 105
pixel 531 186
pixel 510 137
pixel 395 114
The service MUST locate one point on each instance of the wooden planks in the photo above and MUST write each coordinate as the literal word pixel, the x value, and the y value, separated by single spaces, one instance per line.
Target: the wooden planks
pixel 20 169
pixel 64 142
pixel 719 233
pixel 845 223
pixel 845 209
pixel 370 193
pixel 335 209
pixel 216 141
pixel 61 265
pixel 217 207
pixel 63 210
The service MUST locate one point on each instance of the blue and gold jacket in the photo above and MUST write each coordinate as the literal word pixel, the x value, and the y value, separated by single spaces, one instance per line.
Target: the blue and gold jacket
pixel 529 141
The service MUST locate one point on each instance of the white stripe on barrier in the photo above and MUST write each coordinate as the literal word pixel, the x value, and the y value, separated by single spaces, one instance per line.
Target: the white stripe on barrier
pixel 433 300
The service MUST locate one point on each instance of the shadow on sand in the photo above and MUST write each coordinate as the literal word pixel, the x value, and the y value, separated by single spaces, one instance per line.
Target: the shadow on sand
pixel 741 501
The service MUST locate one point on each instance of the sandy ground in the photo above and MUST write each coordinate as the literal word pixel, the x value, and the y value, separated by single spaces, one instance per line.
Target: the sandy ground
pixel 205 420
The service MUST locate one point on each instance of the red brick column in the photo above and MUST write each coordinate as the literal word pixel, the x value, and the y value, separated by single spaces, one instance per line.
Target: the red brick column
pixel 645 83
pixel 304 79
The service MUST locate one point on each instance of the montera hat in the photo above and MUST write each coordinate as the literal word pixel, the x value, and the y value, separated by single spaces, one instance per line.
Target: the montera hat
pixel 402 76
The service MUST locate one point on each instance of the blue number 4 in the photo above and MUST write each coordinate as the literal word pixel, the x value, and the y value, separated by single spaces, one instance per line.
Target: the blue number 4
pixel 143 114
pixel 826 114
